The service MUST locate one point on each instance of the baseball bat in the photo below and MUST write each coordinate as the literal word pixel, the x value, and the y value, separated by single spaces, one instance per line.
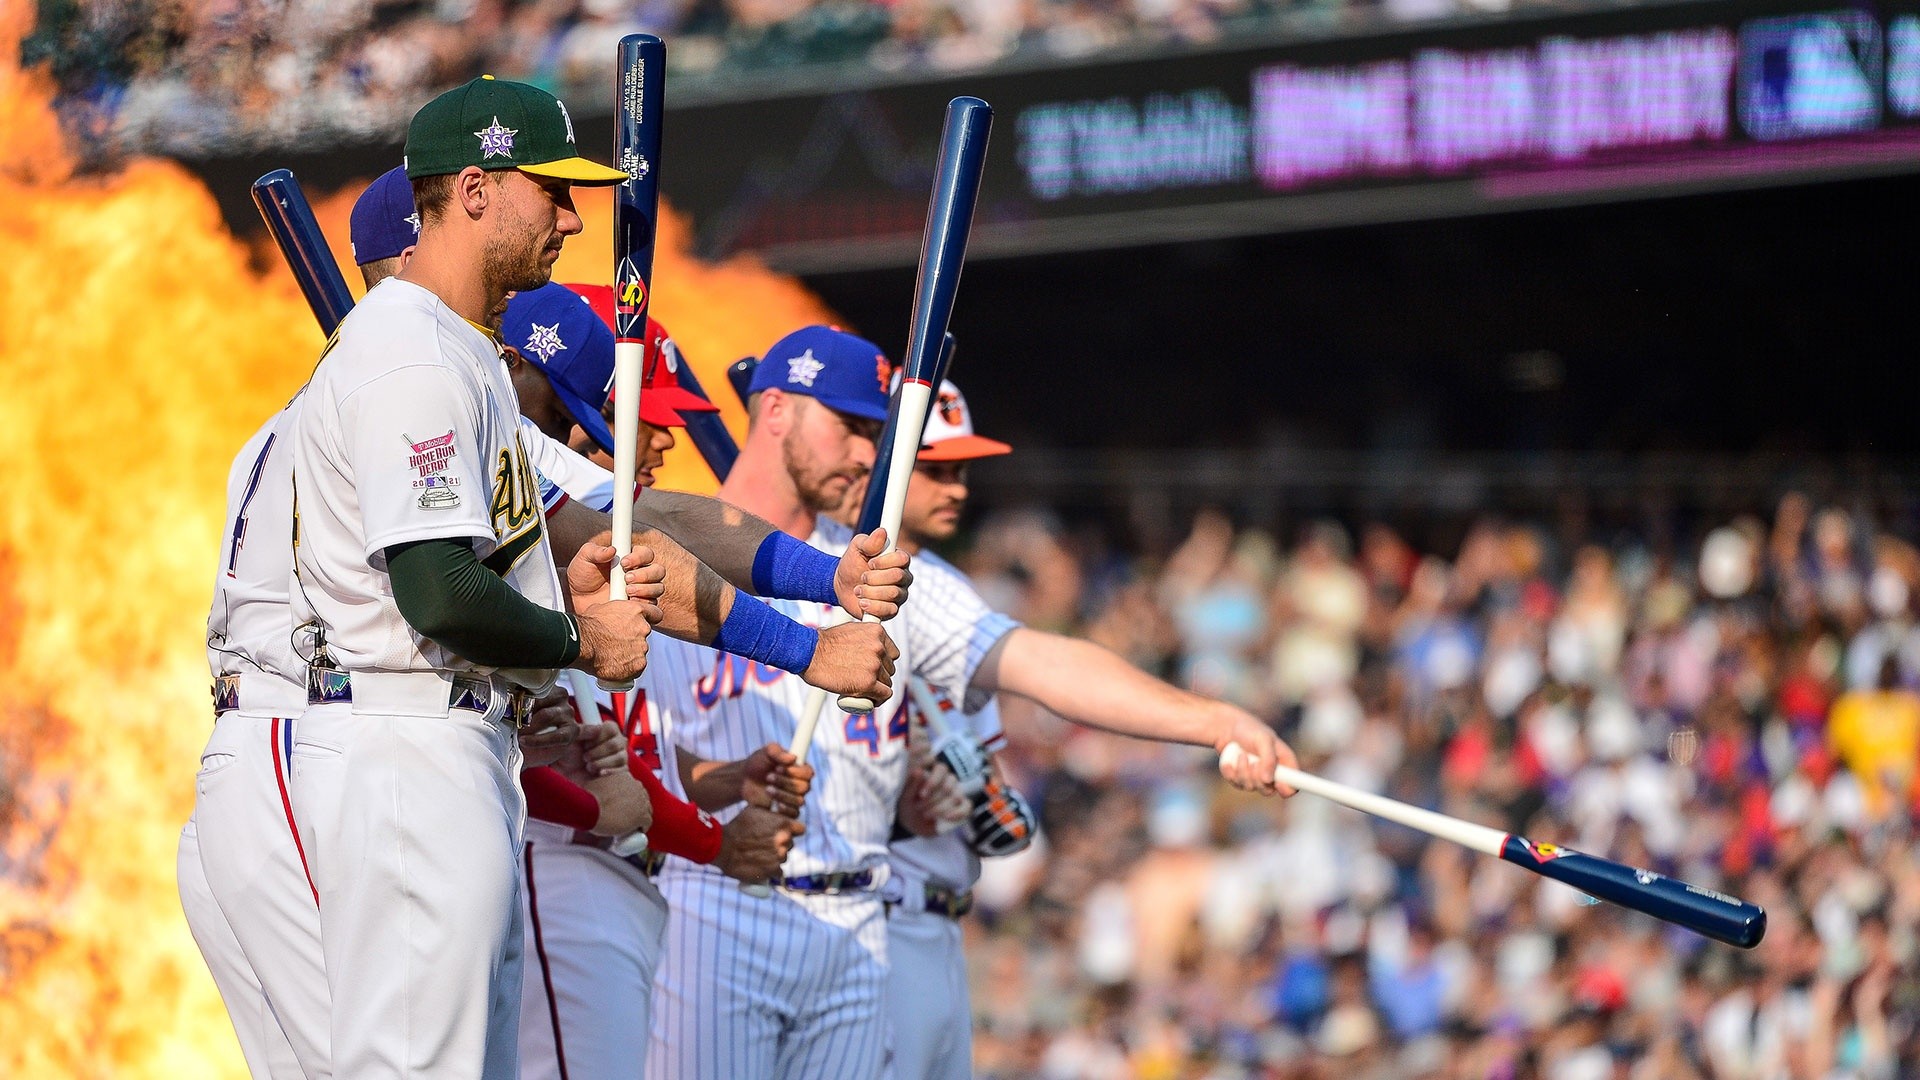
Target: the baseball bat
pixel 641 66
pixel 1703 911
pixel 943 252
pixel 283 206
pixel 873 503
pixel 740 377
pixel 706 430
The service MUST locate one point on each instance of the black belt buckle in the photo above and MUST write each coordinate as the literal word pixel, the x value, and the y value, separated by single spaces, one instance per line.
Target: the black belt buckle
pixel 325 685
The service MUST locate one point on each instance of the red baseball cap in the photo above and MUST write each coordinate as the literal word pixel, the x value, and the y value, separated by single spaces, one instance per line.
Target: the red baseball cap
pixel 949 435
pixel 663 398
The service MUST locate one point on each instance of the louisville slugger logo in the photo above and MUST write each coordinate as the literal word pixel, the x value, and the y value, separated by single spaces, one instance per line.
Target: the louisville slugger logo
pixel 1546 852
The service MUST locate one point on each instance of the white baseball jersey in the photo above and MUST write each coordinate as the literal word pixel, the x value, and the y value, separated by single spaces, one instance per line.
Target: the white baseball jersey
pixel 564 471
pixel 409 430
pixel 726 707
pixel 243 879
pixel 249 628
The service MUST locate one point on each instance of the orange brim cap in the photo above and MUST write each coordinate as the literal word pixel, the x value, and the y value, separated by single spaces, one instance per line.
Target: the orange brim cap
pixel 963 448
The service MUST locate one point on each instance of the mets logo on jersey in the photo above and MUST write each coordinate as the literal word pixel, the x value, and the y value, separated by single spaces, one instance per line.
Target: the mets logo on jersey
pixel 729 679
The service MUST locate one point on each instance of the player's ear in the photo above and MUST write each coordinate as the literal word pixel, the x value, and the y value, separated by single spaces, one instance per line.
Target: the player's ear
pixel 472 191
pixel 512 356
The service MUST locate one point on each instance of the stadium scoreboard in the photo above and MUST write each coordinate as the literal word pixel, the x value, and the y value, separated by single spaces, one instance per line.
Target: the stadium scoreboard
pixel 1515 113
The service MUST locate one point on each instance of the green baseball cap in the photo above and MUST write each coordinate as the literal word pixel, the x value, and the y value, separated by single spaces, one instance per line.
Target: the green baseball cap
pixel 497 124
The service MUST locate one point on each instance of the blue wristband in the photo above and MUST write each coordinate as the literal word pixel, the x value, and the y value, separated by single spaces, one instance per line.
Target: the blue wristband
pixel 789 569
pixel 757 632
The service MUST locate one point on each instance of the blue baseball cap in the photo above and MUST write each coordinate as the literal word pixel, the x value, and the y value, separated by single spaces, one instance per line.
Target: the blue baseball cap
pixel 555 329
pixel 384 222
pixel 831 366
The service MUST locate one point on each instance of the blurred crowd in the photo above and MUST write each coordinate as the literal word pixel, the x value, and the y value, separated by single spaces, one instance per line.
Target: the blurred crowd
pixel 1740 713
pixel 186 77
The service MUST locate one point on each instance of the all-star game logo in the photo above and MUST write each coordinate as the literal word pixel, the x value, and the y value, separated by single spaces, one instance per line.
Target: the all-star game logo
pixel 496 140
pixel 635 166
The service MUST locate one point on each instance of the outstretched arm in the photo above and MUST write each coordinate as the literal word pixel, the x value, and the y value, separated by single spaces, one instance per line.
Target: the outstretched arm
pixel 1089 685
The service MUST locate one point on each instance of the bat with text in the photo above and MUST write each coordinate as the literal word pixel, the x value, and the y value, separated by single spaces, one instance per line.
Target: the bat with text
pixel 641 67
pixel 1703 911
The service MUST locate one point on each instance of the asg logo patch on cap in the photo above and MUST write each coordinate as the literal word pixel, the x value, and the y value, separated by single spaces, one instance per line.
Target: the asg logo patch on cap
pixel 803 369
pixel 544 341
pixel 497 140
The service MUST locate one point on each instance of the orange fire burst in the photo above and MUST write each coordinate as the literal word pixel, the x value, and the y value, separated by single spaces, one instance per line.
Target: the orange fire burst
pixel 141 346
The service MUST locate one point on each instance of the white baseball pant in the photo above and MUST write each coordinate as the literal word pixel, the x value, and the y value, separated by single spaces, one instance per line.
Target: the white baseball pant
pixel 927 996
pixel 594 924
pixel 788 986
pixel 411 817
pixel 253 871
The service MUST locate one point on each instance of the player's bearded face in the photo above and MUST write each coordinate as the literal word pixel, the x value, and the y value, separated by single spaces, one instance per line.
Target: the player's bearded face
pixel 535 218
pixel 824 455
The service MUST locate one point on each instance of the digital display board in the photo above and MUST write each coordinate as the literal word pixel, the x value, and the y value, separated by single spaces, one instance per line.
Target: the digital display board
pixel 1508 114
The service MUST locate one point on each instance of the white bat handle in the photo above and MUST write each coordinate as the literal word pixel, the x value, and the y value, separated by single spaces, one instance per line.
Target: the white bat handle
pixel 929 706
pixel 584 702
pixel 802 744
pixel 628 360
pixel 916 396
pixel 1481 838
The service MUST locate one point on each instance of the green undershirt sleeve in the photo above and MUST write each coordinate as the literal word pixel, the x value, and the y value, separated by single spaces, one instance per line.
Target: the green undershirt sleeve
pixel 449 598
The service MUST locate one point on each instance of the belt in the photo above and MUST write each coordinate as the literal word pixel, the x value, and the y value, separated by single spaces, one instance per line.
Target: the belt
pixel 475 692
pixel 647 862
pixel 256 691
pixel 844 881
pixel 953 903
pixel 933 897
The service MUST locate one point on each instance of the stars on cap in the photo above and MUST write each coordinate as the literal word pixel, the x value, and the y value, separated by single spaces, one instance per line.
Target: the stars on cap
pixel 413 219
pixel 803 369
pixel 544 341
pixel 496 140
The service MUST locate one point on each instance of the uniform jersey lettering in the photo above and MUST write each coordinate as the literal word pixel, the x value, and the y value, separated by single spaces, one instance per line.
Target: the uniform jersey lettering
pixel 729 679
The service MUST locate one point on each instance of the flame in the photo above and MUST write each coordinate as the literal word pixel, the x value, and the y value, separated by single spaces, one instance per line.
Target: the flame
pixel 140 343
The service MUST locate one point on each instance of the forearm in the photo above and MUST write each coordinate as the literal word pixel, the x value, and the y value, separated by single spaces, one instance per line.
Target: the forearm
pixel 747 552
pixel 1091 686
pixel 697 600
pixel 719 534
pixel 448 597
pixel 712 785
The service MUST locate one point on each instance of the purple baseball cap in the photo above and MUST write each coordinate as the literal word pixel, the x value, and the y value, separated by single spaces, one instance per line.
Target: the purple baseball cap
pixel 555 329
pixel 837 369
pixel 384 222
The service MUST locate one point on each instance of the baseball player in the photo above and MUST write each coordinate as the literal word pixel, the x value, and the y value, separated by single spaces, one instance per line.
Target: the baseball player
pixel 1076 680
pixel 715 547
pixel 594 914
pixel 425 589
pixel 933 874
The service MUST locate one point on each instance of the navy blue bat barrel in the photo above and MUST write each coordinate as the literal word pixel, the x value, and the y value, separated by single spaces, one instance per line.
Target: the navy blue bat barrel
pixel 876 497
pixel 740 377
pixel 284 208
pixel 641 84
pixel 1703 911
pixel 707 431
pixel 943 250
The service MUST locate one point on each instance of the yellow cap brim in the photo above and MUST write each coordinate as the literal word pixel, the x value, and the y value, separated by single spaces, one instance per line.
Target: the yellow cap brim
pixel 577 169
